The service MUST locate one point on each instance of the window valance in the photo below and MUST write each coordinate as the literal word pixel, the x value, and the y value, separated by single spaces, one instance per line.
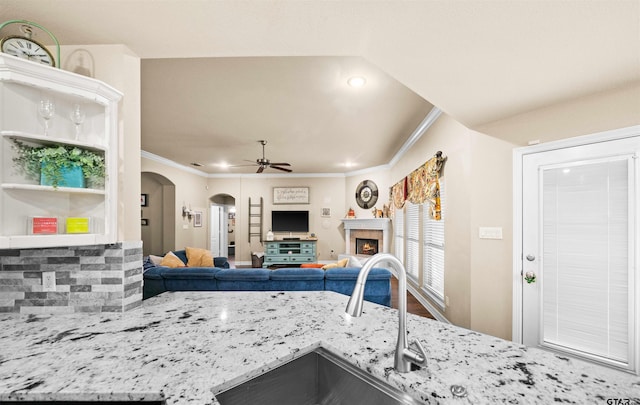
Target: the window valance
pixel 421 186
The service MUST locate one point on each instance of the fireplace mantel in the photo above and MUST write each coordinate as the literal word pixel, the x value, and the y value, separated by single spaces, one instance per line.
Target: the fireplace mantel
pixel 367 224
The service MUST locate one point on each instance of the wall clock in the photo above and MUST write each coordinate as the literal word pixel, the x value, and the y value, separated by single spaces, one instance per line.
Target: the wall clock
pixel 366 194
pixel 23 46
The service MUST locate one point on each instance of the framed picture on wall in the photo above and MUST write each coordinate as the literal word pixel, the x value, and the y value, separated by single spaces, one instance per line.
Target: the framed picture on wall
pixel 326 212
pixel 291 195
pixel 143 200
pixel 144 222
pixel 197 219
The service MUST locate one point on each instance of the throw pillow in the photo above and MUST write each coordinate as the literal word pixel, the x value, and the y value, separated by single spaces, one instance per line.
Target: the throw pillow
pixel 311 265
pixel 197 257
pixel 171 260
pixel 354 262
pixel 155 259
pixel 340 263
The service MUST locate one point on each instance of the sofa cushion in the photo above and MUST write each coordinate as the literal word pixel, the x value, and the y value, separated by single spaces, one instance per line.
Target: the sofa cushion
pixel 243 274
pixel 351 273
pixel 190 272
pixel 296 273
pixel 154 273
pixel 197 257
pixel 171 260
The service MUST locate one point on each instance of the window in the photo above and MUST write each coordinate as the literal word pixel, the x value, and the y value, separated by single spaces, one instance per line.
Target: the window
pixel 433 251
pixel 412 235
pixel 398 234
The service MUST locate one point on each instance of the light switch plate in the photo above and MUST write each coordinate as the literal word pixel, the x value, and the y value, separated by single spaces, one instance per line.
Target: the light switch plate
pixel 490 232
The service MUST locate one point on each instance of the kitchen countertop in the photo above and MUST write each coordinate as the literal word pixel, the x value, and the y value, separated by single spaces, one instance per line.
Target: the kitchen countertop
pixel 187 346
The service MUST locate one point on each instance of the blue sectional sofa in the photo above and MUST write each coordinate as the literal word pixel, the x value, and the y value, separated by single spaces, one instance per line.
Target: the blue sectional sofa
pixel 158 279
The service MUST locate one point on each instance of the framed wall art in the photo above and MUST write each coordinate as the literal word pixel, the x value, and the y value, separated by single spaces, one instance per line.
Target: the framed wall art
pixel 197 219
pixel 143 199
pixel 291 195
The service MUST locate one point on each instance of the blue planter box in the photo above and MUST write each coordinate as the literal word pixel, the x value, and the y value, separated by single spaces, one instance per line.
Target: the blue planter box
pixel 71 177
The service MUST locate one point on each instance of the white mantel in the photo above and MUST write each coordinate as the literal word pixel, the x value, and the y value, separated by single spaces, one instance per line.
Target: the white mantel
pixel 380 224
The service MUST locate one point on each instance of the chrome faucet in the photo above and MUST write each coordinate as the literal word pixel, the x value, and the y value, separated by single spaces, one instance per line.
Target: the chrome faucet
pixel 404 355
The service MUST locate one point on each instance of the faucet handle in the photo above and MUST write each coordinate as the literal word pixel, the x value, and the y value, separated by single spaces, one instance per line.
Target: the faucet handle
pixel 419 358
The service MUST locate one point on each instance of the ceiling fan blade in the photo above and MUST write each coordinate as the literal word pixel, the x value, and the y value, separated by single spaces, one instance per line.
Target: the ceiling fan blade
pixel 260 169
pixel 281 168
pixel 280 164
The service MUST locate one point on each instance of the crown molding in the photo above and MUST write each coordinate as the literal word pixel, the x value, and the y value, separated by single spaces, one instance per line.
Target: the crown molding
pixel 415 136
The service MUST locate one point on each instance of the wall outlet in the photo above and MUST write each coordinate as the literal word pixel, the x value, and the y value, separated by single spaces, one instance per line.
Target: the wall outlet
pixel 446 300
pixel 48 281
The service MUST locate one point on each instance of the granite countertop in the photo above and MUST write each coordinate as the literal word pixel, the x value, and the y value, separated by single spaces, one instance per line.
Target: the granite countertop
pixel 187 346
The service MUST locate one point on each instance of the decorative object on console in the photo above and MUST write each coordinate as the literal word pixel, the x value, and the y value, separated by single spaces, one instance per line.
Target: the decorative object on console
pixel 25 47
pixel 269 235
pixel 51 164
pixel 366 194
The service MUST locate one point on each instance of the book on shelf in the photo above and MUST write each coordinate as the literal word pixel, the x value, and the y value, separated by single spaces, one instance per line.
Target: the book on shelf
pixel 78 225
pixel 43 225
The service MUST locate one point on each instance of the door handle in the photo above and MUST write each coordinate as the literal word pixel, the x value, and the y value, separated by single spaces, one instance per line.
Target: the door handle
pixel 530 277
pixel 531 258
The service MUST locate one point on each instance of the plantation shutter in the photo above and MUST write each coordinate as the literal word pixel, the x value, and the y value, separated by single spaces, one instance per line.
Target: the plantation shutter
pixel 433 249
pixel 412 263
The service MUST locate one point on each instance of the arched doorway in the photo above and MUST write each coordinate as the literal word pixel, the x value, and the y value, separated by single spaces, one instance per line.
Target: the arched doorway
pixel 158 215
pixel 222 216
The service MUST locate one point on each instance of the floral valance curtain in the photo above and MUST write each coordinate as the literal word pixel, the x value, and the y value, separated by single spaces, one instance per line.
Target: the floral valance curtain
pixel 421 186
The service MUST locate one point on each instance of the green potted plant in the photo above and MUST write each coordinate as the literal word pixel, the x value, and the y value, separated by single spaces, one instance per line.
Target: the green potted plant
pixel 57 165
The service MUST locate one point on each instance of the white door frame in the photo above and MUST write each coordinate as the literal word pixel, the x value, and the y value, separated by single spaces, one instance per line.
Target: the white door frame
pixel 518 154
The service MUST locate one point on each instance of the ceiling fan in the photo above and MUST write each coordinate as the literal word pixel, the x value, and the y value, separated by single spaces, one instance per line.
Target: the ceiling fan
pixel 264 163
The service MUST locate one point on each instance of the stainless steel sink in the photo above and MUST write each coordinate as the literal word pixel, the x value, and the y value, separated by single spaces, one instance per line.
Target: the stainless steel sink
pixel 318 377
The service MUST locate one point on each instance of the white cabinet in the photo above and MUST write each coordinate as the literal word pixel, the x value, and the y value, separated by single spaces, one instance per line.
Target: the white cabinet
pixel 22 85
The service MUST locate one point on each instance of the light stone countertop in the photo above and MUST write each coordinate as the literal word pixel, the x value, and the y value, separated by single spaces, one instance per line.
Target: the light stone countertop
pixel 187 346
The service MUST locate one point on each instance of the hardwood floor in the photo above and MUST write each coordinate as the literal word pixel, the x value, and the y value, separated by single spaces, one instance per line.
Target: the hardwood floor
pixel 413 305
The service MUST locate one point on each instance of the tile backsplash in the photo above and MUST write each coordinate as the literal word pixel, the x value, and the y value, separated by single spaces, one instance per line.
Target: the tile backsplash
pixel 94 278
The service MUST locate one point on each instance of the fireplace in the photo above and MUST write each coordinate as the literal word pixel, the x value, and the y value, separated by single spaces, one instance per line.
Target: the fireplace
pixel 366 237
pixel 368 247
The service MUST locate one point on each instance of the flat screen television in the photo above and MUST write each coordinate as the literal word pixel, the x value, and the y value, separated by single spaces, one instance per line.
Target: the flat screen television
pixel 290 221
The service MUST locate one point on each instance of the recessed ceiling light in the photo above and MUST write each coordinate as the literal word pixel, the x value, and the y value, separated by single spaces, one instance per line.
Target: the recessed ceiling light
pixel 356 81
